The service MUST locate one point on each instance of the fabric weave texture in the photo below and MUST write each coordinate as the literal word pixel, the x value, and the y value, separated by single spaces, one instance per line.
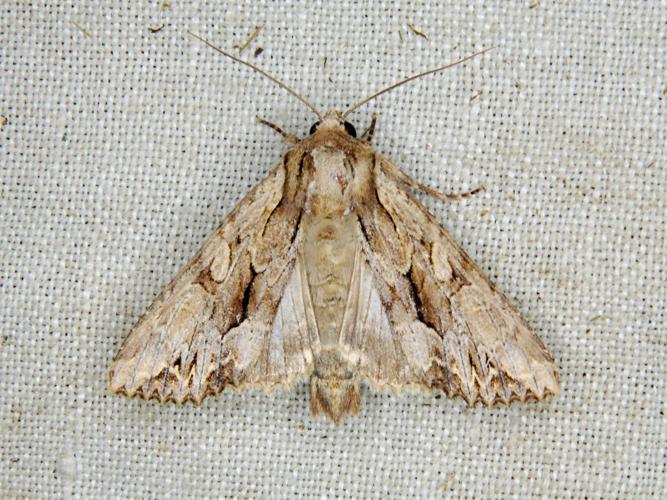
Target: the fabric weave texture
pixel 124 146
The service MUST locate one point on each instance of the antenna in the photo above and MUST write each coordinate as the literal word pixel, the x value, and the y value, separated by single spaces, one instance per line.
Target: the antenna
pixel 261 72
pixel 410 78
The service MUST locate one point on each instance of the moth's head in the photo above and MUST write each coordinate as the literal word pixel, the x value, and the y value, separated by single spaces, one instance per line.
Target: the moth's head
pixel 335 120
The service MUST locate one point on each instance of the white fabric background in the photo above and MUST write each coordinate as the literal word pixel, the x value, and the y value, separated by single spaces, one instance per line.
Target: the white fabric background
pixel 124 148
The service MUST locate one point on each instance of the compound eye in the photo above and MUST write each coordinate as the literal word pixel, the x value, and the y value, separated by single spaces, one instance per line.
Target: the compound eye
pixel 349 128
pixel 313 128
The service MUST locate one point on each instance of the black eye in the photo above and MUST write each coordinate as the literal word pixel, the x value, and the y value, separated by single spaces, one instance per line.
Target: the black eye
pixel 313 128
pixel 349 128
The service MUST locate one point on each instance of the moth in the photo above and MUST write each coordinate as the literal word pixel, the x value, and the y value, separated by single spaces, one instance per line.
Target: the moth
pixel 330 270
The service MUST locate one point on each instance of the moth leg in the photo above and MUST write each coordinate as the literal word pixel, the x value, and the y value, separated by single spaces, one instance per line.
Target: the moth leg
pixel 466 194
pixel 287 137
pixel 406 180
pixel 368 133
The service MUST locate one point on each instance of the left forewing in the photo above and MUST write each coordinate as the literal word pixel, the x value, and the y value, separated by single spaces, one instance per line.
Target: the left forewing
pixel 230 317
pixel 484 349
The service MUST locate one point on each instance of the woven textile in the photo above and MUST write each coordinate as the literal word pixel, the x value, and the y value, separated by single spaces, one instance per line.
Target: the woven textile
pixel 125 142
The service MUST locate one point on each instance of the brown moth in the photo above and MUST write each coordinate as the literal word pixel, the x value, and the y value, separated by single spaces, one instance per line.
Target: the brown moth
pixel 330 270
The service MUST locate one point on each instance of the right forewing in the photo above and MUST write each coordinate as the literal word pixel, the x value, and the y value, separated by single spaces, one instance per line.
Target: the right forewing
pixel 456 330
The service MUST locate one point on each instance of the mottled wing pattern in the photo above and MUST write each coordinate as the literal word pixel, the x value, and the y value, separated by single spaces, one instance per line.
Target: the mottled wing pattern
pixel 388 353
pixel 454 328
pixel 213 325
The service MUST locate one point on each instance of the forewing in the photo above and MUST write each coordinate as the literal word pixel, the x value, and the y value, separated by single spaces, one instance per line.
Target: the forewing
pixel 213 325
pixel 385 345
pixel 484 349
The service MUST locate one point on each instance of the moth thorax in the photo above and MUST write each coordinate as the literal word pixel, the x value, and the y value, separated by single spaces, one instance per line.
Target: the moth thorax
pixel 333 176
